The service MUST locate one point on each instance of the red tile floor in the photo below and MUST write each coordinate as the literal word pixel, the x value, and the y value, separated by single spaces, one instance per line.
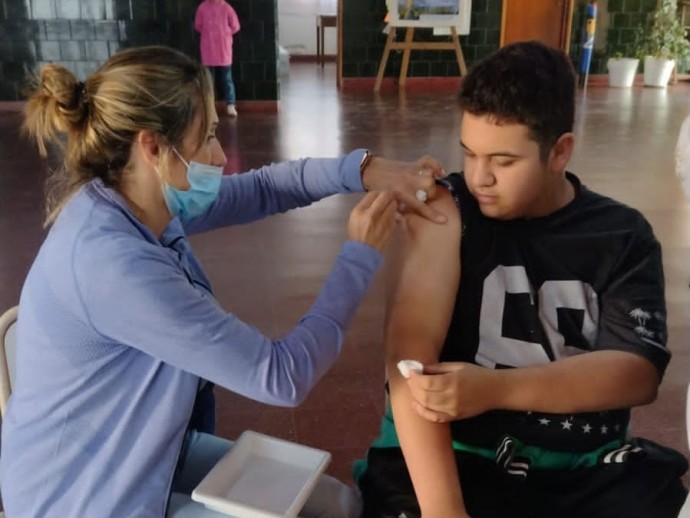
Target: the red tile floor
pixel 270 272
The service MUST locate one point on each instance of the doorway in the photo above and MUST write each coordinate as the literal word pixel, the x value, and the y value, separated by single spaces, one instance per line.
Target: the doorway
pixel 548 21
pixel 306 29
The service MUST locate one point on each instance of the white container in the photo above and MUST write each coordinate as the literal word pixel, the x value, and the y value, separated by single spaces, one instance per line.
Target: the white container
pixel 622 71
pixel 262 477
pixel 657 72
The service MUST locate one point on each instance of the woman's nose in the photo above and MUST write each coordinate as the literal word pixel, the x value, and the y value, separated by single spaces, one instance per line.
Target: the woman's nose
pixel 219 157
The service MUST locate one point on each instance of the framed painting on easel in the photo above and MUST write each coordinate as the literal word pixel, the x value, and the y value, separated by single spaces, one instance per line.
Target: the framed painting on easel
pixel 431 13
pixel 411 14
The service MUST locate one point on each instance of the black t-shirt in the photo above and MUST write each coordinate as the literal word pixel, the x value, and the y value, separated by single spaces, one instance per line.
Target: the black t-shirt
pixel 587 277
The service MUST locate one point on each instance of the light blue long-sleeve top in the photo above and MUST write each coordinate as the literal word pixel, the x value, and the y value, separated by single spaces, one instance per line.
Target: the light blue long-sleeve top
pixel 117 327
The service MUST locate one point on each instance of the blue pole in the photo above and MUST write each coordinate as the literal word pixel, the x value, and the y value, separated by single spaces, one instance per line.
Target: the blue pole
pixel 588 41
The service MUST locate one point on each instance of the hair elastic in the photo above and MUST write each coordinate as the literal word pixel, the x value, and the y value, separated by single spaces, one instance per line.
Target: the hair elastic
pixel 80 93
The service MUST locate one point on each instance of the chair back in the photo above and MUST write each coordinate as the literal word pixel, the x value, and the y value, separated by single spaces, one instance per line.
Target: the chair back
pixel 8 349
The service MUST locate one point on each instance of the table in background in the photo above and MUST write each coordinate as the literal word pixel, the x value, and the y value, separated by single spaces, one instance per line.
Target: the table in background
pixel 323 21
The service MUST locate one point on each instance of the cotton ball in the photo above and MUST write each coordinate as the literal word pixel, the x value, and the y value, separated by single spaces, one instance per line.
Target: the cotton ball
pixel 407 366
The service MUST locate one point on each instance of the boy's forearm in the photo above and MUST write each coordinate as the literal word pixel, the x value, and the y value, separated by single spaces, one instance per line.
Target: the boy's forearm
pixel 590 382
pixel 428 452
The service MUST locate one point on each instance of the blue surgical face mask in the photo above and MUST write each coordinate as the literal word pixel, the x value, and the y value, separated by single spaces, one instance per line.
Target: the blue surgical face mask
pixel 204 184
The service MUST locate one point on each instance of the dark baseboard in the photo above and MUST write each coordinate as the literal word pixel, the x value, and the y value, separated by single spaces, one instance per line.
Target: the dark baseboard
pixel 412 84
pixel 597 80
pixel 390 84
pixel 311 58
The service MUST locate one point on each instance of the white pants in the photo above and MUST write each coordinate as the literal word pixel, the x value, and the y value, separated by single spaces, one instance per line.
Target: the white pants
pixel 330 498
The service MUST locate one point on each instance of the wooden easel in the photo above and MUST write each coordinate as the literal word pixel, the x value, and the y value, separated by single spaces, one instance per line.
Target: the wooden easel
pixel 409 45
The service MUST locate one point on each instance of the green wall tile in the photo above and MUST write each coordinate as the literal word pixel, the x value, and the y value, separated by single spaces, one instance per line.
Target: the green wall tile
pixel 494 6
pixel 420 69
pixel 615 6
pixel 632 6
pixel 81 34
pixel 363 23
pixel 621 20
pixel 648 5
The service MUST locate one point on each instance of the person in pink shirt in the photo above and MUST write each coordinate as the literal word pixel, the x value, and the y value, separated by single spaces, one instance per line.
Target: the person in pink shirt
pixel 217 22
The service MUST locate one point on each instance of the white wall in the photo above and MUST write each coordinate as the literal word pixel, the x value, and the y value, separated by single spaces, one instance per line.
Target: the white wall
pixel 297 25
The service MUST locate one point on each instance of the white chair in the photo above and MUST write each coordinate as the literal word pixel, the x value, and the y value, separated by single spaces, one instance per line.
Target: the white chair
pixel 8 346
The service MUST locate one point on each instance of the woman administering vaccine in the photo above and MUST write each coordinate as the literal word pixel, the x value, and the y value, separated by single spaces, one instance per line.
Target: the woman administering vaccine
pixel 118 329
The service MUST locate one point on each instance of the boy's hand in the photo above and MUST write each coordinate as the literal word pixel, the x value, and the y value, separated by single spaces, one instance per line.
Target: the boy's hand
pixel 454 390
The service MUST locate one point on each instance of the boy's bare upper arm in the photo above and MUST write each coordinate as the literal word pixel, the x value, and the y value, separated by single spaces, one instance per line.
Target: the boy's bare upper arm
pixel 422 282
pixel 425 271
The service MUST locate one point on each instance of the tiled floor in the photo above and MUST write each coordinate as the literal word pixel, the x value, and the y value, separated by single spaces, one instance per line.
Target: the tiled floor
pixel 269 273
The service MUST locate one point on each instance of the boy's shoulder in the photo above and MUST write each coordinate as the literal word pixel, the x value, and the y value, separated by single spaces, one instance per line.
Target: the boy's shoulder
pixel 591 211
pixel 607 213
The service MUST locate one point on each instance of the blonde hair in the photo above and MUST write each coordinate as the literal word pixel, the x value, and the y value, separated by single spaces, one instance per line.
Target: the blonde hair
pixel 147 88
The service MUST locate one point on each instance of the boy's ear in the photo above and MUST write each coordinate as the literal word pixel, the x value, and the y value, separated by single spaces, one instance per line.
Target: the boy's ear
pixel 561 152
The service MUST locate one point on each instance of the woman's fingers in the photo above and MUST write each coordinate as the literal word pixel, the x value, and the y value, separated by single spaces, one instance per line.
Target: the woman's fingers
pixel 366 201
pixel 433 166
pixel 412 182
pixel 413 204
pixel 414 196
pixel 381 202
pixel 372 220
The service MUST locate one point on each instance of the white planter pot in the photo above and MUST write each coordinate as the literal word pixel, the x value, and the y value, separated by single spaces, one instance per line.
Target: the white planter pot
pixel 657 71
pixel 622 71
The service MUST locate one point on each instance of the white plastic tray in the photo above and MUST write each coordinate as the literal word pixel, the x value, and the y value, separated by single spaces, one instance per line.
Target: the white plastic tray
pixel 262 477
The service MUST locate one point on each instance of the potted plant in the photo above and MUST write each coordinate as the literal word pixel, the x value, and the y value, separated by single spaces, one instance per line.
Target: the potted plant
pixel 663 44
pixel 621 70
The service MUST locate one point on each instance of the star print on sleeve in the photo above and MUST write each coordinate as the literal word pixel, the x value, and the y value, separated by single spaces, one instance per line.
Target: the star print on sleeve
pixel 567 424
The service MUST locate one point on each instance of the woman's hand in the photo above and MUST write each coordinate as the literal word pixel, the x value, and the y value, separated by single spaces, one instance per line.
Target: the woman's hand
pixel 405 179
pixel 454 390
pixel 372 219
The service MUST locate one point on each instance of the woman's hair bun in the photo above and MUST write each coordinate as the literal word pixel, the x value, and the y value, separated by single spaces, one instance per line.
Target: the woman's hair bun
pixel 63 95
